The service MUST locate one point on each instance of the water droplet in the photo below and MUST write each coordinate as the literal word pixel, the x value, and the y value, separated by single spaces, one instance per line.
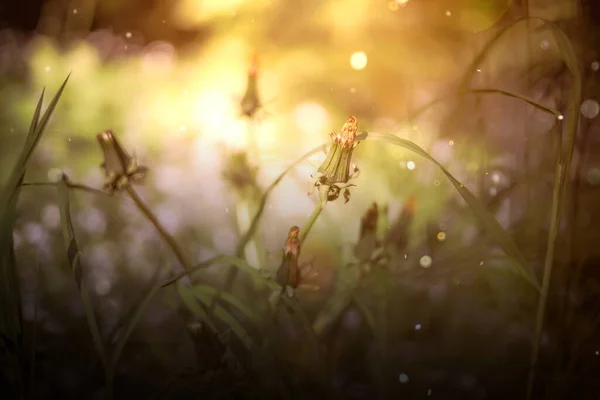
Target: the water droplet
pixel 425 261
pixel 410 165
pixel 403 378
pixel 441 236
pixel 590 108
pixel 358 60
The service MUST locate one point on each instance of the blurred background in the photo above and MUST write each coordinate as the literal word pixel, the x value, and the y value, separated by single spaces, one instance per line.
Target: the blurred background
pixel 168 78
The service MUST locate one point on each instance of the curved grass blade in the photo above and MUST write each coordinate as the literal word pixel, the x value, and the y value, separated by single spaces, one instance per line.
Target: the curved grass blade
pixel 235 261
pixel 74 262
pixel 229 298
pixel 227 318
pixel 133 321
pixel 478 208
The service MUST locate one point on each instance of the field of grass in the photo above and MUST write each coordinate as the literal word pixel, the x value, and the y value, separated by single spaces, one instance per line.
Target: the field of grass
pixel 145 255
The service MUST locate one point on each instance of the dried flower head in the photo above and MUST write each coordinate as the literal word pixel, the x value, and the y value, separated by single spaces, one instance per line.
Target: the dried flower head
pixel 120 169
pixel 334 174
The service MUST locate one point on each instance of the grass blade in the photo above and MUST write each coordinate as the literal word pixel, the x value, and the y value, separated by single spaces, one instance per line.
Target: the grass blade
pixel 11 321
pixel 74 261
pixel 478 208
pixel 227 318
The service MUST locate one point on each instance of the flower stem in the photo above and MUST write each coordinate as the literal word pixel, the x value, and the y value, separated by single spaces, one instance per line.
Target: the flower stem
pixel 311 221
pixel 161 230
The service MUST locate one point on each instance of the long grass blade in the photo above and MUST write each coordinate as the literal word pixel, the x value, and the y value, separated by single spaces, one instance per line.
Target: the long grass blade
pixel 75 263
pixel 478 208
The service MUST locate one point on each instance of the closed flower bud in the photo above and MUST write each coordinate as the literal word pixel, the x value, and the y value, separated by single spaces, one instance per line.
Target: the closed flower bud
pixel 120 169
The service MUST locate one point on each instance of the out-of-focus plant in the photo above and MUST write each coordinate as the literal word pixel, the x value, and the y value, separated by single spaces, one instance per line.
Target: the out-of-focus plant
pixel 11 314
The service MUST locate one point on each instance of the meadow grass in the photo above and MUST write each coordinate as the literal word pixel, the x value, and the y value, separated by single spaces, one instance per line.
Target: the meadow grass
pixel 220 309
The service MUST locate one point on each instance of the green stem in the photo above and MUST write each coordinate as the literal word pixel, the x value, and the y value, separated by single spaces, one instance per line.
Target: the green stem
pixel 311 221
pixel 161 230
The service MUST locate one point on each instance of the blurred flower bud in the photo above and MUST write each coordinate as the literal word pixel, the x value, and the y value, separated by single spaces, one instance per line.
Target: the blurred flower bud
pixel 239 173
pixel 119 167
pixel 251 103
pixel 367 241
pixel 398 236
pixel 334 174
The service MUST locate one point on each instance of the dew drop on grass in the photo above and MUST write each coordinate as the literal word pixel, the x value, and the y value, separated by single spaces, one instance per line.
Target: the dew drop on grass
pixel 590 108
pixel 403 378
pixel 425 261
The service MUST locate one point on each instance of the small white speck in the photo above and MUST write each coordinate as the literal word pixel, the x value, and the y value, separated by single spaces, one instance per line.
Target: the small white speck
pixel 595 66
pixel 403 378
pixel 597 353
pixel 448 13
pixel 478 69
pixel 74 11
pixel 560 117
pixel 481 263
pixel 410 165
pixel 429 392
pixel 418 327
pixel 128 35
pixel 544 44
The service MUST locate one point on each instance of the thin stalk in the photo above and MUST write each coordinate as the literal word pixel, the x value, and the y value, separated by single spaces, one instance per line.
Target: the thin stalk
pixel 548 264
pixel 311 221
pixel 161 230
pixel 70 185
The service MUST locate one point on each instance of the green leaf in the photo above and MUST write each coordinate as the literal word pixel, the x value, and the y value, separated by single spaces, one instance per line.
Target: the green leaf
pixel 478 208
